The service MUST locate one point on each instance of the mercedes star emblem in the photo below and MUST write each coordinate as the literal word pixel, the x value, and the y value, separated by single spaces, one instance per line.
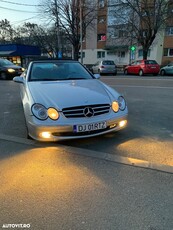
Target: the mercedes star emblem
pixel 88 112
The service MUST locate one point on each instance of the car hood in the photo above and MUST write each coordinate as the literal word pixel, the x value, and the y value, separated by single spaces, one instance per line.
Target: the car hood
pixel 61 94
pixel 12 67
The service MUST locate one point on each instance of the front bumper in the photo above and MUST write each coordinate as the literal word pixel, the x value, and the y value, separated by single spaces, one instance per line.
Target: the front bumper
pixel 65 132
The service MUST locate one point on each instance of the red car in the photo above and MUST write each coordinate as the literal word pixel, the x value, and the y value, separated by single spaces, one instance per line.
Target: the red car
pixel 142 67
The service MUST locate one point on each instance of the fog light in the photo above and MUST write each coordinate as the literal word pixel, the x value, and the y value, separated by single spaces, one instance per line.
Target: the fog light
pixel 45 135
pixel 122 123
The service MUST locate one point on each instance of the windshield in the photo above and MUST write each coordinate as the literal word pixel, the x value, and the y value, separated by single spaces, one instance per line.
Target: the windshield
pixel 5 62
pixel 54 71
pixel 150 62
pixel 108 63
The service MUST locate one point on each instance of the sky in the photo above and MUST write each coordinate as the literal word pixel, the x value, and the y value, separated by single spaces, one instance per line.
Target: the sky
pixel 19 11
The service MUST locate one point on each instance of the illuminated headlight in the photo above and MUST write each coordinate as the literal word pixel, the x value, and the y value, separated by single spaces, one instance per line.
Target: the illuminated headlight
pixel 11 70
pixel 53 113
pixel 39 111
pixel 115 106
pixel 23 69
pixel 121 103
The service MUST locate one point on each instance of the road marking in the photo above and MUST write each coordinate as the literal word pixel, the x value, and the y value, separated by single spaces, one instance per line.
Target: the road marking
pixel 95 154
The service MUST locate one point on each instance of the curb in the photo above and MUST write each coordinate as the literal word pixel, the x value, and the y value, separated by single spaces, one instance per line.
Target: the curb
pixel 99 155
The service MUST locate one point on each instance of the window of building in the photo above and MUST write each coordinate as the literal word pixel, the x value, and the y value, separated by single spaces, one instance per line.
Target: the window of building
pixel 168 52
pixel 100 54
pixel 122 33
pixel 169 31
pixel 140 53
pixel 101 37
pixel 121 54
pixel 83 54
pixel 101 19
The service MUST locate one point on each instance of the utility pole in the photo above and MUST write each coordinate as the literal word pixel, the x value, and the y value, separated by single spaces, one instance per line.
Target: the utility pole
pixel 81 48
pixel 58 30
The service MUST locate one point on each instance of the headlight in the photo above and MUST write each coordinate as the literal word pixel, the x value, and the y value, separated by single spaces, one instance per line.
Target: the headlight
pixel 115 106
pixel 39 111
pixel 121 103
pixel 11 70
pixel 53 113
pixel 23 69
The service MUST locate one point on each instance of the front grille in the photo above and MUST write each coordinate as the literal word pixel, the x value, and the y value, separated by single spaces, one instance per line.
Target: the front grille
pixel 78 111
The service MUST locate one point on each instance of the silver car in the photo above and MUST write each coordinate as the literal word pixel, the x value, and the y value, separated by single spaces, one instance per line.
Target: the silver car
pixel 167 70
pixel 63 100
pixel 105 67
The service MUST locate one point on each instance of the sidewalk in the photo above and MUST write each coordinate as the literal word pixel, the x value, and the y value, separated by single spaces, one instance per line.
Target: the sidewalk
pixel 51 187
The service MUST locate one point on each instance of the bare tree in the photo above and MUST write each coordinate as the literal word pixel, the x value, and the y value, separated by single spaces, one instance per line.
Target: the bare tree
pixel 66 16
pixel 7 33
pixel 142 20
pixel 34 34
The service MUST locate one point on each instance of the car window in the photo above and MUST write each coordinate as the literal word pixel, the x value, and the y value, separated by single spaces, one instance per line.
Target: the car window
pixel 133 63
pixel 42 71
pixel 152 62
pixel 138 62
pixel 108 63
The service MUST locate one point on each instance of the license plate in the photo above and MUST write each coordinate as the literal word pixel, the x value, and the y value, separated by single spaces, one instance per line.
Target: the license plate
pixel 89 127
pixel 153 67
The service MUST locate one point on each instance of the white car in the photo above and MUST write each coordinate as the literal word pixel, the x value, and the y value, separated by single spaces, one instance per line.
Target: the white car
pixel 63 100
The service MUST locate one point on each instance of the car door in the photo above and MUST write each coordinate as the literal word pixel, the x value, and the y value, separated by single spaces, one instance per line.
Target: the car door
pixel 137 67
pixel 131 68
pixel 169 68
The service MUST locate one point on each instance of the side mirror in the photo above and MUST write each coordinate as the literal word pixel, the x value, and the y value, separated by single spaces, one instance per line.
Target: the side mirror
pixel 97 75
pixel 19 79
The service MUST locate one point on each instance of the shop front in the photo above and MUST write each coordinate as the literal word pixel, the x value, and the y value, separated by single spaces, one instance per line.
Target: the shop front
pixel 19 54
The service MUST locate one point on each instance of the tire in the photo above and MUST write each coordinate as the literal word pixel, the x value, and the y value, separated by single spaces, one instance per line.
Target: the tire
pixel 141 73
pixel 162 72
pixel 3 76
pixel 126 72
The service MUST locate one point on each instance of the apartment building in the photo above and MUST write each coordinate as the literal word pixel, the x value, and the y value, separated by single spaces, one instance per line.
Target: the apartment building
pixel 168 43
pixel 108 40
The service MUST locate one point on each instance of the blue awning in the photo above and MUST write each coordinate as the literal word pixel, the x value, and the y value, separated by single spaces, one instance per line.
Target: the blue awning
pixel 6 53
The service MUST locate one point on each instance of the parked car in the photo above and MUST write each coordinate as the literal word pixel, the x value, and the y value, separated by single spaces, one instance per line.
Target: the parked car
pixel 167 70
pixel 8 70
pixel 105 67
pixel 142 67
pixel 64 100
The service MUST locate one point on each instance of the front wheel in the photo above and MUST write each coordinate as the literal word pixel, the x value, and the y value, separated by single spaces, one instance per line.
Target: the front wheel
pixel 141 73
pixel 162 72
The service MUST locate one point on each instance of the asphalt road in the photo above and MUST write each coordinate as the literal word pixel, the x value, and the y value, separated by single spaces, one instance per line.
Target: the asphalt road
pixel 149 135
pixel 50 187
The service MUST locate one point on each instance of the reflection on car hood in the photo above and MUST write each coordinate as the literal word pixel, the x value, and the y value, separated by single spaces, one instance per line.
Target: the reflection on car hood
pixel 61 94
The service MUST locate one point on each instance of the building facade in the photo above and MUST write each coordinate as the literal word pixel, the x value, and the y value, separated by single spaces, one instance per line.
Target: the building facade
pixel 107 40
